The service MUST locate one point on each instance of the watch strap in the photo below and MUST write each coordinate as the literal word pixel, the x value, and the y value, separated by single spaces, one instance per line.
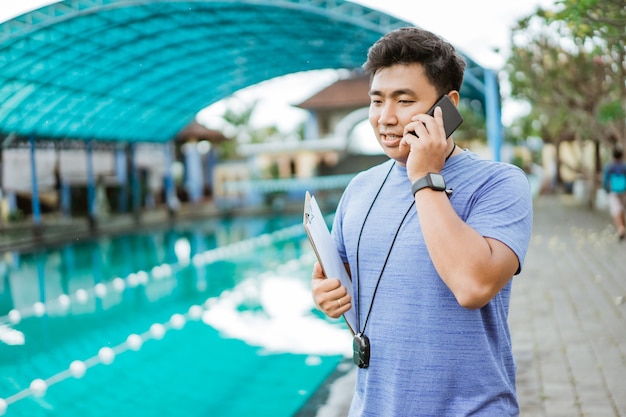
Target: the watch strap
pixel 419 184
pixel 425 182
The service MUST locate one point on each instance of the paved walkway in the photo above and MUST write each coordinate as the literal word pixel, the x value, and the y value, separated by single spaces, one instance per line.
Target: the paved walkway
pixel 567 318
pixel 568 315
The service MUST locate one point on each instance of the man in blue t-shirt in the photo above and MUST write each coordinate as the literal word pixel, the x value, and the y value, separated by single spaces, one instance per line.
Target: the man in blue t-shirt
pixel 614 182
pixel 431 239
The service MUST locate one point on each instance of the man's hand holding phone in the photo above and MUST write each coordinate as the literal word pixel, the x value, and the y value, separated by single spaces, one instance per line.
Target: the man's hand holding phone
pixel 452 119
pixel 427 136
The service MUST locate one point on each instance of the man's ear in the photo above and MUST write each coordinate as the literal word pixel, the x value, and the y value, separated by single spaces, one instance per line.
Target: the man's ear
pixel 455 97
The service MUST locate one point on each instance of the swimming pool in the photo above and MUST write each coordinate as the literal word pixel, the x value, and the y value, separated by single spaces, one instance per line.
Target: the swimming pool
pixel 207 318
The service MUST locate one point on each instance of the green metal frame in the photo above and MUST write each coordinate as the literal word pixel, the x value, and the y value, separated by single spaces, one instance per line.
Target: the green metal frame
pixel 139 71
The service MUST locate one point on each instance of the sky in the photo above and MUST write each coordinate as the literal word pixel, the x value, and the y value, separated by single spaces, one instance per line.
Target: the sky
pixel 478 28
pixel 475 27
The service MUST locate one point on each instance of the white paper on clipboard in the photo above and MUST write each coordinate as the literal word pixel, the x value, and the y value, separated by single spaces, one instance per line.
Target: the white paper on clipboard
pixel 325 249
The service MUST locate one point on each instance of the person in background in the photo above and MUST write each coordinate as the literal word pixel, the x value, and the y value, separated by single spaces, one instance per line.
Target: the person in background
pixel 614 182
pixel 432 239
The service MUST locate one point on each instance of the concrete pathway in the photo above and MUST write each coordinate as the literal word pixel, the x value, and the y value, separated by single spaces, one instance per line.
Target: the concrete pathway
pixel 568 315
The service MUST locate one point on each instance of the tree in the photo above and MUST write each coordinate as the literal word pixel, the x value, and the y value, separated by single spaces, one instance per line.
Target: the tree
pixel 570 72
pixel 474 126
pixel 237 126
pixel 598 26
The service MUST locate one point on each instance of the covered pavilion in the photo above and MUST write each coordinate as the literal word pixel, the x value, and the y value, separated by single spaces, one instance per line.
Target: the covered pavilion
pixel 127 72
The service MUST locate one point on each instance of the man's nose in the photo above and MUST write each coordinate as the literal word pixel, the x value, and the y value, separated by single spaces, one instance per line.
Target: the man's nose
pixel 387 115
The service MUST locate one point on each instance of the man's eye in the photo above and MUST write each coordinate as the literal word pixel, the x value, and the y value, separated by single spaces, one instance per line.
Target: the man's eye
pixel 406 101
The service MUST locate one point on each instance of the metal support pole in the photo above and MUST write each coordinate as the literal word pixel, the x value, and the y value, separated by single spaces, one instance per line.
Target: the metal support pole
pixel 121 171
pixel 35 188
pixel 193 170
pixel 171 199
pixel 493 113
pixel 135 182
pixel 91 187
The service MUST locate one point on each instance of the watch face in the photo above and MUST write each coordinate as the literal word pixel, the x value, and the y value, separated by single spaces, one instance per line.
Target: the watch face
pixel 437 182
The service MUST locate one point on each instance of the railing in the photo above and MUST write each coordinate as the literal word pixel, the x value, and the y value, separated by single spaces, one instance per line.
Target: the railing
pixel 331 182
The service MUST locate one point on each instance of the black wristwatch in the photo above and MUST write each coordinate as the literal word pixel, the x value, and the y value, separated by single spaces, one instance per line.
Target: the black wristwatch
pixel 431 180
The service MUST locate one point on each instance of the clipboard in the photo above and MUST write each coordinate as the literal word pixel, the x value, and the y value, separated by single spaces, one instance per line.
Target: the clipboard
pixel 325 250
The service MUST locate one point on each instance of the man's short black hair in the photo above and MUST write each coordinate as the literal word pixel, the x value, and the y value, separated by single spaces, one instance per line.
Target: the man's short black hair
pixel 442 65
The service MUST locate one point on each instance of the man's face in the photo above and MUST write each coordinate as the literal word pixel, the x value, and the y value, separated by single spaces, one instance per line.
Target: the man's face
pixel 398 93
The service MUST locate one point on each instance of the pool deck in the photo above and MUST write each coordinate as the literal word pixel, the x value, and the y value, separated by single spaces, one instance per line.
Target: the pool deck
pixel 568 309
pixel 55 229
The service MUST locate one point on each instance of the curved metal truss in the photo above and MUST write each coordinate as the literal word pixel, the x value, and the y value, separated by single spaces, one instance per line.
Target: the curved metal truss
pixel 139 70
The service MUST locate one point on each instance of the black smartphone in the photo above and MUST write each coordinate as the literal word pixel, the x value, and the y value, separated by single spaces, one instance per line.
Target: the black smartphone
pixel 452 119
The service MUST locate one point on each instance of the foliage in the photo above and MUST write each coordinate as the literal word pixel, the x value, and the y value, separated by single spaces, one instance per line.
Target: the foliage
pixel 569 65
pixel 598 26
pixel 16 216
pixel 237 122
pixel 228 149
pixel 240 129
pixel 474 125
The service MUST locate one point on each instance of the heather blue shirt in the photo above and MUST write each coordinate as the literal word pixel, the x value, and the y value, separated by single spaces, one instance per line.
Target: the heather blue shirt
pixel 429 356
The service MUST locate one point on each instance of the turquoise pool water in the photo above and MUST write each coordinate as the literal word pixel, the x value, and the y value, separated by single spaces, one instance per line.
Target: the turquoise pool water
pixel 209 318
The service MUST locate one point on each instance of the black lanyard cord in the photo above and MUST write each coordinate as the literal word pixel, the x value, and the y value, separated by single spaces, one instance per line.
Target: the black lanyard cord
pixel 358 245
pixel 381 271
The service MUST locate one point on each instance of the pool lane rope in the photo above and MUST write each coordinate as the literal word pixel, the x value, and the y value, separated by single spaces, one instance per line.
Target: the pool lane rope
pixel 106 355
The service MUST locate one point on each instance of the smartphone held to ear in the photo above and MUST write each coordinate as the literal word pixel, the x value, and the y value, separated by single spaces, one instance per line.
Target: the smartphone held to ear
pixel 451 116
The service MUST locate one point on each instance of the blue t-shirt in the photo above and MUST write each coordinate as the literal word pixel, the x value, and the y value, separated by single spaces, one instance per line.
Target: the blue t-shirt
pixel 429 356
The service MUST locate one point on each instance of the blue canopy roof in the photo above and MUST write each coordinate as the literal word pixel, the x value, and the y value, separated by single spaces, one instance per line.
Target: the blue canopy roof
pixel 139 71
